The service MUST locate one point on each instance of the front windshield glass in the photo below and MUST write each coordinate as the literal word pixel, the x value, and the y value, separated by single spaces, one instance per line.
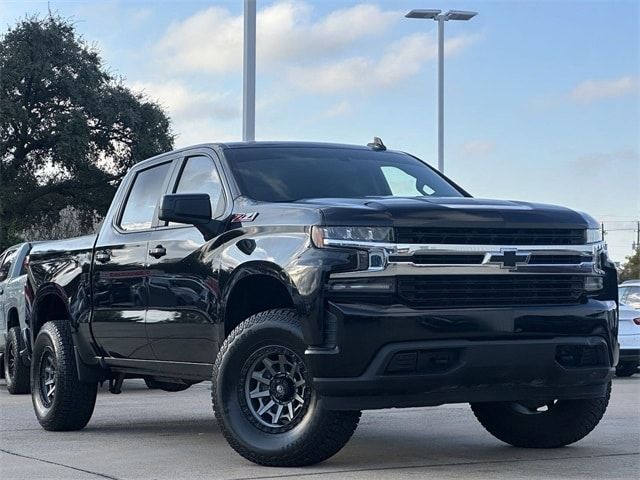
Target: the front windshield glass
pixel 282 174
pixel 630 295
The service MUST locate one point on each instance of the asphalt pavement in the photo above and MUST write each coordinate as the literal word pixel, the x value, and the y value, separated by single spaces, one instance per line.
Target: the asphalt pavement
pixel 144 434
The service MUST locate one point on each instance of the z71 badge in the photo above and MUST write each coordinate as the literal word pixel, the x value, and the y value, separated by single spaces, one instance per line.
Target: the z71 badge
pixel 244 217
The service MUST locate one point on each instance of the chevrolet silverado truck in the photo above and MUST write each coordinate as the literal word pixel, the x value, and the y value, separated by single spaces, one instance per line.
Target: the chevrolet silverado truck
pixel 311 281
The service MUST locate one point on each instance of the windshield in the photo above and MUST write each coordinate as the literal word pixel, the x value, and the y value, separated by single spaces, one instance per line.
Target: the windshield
pixel 281 174
pixel 630 295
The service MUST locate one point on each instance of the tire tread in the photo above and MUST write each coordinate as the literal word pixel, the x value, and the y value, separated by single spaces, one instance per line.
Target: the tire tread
pixel 20 383
pixel 572 421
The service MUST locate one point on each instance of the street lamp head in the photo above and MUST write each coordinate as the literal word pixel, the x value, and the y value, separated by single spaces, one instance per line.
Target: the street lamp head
pixel 459 15
pixel 429 14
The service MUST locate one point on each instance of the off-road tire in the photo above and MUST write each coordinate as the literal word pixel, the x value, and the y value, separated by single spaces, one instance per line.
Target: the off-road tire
pixel 73 401
pixel 626 369
pixel 153 384
pixel 18 379
pixel 317 435
pixel 566 422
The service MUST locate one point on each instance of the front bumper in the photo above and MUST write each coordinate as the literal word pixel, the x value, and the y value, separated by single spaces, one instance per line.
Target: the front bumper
pixel 396 356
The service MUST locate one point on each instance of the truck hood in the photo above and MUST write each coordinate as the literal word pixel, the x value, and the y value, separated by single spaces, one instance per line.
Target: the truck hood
pixel 447 212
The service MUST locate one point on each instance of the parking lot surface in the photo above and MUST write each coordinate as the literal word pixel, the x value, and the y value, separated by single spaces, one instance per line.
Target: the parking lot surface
pixel 144 434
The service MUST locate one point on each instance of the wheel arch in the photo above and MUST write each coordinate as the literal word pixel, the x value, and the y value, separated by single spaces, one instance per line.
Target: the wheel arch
pixel 50 303
pixel 255 287
pixel 13 319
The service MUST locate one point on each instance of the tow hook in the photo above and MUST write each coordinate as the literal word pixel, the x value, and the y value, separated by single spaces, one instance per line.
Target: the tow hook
pixel 115 384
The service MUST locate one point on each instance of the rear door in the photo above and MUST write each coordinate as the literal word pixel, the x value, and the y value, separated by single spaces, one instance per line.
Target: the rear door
pixel 183 290
pixel 119 272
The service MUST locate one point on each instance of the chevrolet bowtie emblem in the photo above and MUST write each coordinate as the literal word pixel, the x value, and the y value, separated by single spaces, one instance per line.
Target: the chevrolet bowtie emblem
pixel 506 258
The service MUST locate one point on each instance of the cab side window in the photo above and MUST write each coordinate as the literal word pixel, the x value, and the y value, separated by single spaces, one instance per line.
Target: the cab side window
pixel 199 175
pixel 143 198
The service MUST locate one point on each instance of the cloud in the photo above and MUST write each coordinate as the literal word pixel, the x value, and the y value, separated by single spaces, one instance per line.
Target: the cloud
pixel 211 40
pixel 590 91
pixel 478 147
pixel 398 61
pixel 197 116
pixel 188 103
pixel 591 163
pixel 193 132
pixel 340 109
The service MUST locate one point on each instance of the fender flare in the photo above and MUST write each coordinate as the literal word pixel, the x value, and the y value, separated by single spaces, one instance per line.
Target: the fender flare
pixel 259 268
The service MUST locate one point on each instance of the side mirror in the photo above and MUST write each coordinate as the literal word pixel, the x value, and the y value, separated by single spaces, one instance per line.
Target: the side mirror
pixel 192 209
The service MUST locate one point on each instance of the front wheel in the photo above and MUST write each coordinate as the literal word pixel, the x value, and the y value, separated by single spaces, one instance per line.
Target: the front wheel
pixel 61 401
pixel 550 424
pixel 15 372
pixel 627 369
pixel 264 400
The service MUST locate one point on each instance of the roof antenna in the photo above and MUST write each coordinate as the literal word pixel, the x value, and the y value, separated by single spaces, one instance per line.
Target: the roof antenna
pixel 377 144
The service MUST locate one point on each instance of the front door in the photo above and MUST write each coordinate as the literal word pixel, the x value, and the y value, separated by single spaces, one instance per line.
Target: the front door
pixel 119 272
pixel 183 292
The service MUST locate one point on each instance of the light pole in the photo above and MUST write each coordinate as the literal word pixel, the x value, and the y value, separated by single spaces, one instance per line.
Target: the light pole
pixel 249 73
pixel 440 17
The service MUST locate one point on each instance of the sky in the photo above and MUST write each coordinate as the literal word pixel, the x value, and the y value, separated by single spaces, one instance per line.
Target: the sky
pixel 542 98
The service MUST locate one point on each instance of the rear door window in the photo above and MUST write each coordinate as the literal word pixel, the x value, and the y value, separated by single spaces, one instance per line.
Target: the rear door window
pixel 143 198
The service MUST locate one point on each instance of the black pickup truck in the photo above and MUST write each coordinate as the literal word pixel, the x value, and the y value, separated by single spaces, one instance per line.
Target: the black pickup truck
pixel 311 281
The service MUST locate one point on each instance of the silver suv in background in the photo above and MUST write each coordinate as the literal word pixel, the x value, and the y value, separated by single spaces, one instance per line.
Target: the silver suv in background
pixel 13 278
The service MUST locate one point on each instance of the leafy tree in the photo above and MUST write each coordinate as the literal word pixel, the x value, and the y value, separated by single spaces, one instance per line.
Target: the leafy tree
pixel 631 268
pixel 70 222
pixel 69 130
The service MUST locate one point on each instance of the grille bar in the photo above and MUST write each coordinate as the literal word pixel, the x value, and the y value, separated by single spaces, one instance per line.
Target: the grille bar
pixel 439 259
pixel 476 259
pixel 491 236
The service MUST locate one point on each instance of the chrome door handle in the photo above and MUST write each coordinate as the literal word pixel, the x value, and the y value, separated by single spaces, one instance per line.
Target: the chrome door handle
pixel 103 257
pixel 158 252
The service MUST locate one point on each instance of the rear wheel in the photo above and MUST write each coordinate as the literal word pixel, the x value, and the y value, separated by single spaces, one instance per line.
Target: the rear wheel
pixel 61 401
pixel 16 374
pixel 264 400
pixel 542 424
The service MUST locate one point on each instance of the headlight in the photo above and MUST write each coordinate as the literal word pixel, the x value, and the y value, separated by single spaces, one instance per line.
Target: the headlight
pixel 594 235
pixel 323 237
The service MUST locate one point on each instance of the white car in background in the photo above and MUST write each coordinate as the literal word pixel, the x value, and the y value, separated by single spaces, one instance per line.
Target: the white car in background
pixel 629 339
pixel 629 293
